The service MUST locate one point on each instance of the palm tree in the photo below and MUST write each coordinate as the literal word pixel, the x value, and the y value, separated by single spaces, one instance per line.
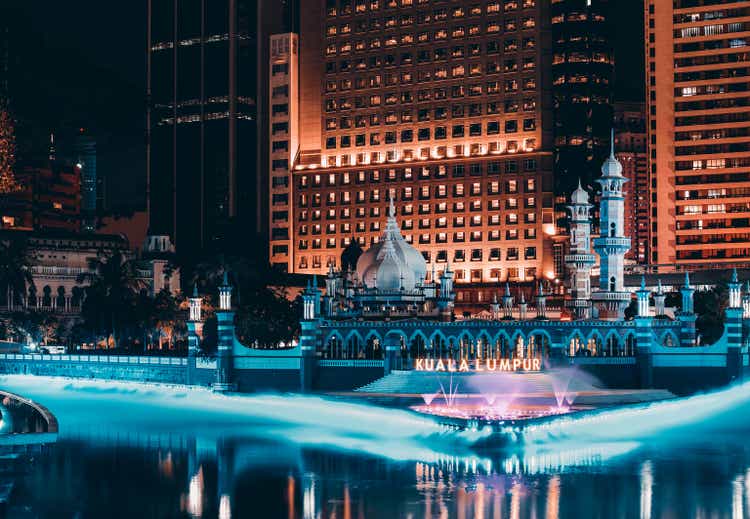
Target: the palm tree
pixel 15 272
pixel 110 294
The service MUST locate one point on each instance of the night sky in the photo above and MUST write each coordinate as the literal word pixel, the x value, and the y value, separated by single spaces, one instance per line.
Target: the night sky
pixel 81 63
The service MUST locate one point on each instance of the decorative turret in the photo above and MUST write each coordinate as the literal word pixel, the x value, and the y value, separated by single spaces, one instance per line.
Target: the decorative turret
pixel 194 303
pixel 309 296
pixel 225 343
pixel 523 308
pixel 735 288
pixel 225 294
pixel 445 301
pixel 642 296
pixel 580 260
pixel 659 299
pixel 194 326
pixel 611 299
pixel 687 296
pixel 541 303
pixel 507 303
pixel 495 307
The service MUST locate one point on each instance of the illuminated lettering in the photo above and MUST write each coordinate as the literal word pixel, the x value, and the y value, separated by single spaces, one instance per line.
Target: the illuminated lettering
pixel 478 365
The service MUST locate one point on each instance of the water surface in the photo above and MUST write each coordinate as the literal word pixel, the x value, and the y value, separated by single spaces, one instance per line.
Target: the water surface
pixel 126 450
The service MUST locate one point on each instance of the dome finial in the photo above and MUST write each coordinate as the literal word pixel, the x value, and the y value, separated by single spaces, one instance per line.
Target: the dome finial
pixel 612 142
pixel 391 207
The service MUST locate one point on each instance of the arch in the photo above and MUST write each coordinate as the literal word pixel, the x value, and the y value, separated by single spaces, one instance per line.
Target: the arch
pixel 47 296
pixel 333 346
pixel 502 345
pixel 576 343
pixel 60 297
pixel 439 344
pixel 629 344
pixel 373 345
pixel 419 333
pixel 669 339
pixel 595 343
pixel 612 344
pixel 539 343
pixel 354 345
pixel 466 345
pixel 484 344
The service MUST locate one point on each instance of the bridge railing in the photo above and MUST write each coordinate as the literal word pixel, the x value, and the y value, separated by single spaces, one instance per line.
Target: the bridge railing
pixel 103 359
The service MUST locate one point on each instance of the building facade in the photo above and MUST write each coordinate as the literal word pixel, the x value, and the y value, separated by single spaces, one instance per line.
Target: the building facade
pixel 630 145
pixel 582 74
pixel 441 107
pixel 388 309
pixel 49 199
pixel 59 258
pixel 699 131
pixel 201 153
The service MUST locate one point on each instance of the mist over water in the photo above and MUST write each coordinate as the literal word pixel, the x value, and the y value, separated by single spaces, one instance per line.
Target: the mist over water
pixel 192 453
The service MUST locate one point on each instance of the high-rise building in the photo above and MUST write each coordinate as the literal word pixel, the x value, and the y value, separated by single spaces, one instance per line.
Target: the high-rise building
pixel 699 130
pixel 201 154
pixel 49 198
pixel 630 145
pixel 440 106
pixel 85 161
pixel 582 74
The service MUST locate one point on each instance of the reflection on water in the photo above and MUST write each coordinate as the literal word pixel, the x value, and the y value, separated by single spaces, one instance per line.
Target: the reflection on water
pixel 127 450
pixel 154 476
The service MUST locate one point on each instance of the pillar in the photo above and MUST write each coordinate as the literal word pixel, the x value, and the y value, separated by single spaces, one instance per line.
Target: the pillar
pixel 225 325
pixel 392 357
pixel 644 357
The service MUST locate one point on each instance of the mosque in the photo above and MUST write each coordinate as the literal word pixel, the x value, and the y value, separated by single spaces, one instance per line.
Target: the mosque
pixel 386 307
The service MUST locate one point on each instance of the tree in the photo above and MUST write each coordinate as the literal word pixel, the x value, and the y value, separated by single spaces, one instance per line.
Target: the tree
pixel 110 294
pixel 264 315
pixel 710 306
pixel 15 261
pixel 8 183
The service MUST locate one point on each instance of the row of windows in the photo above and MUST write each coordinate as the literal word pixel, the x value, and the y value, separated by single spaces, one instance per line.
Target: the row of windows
pixel 360 7
pixel 458 70
pixel 441 256
pixel 509 86
pixel 423 55
pixel 427 193
pixel 408 210
pixel 437 152
pixel 346 178
pixel 408 19
pixel 440 223
pixel 456 32
pixel 425 134
pixel 437 113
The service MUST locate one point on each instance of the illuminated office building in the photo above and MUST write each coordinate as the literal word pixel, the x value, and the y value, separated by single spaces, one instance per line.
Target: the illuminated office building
pixel 699 130
pixel 630 146
pixel 440 105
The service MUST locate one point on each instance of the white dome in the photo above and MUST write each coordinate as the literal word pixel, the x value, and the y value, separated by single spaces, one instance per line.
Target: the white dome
pixel 612 167
pixel 391 263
